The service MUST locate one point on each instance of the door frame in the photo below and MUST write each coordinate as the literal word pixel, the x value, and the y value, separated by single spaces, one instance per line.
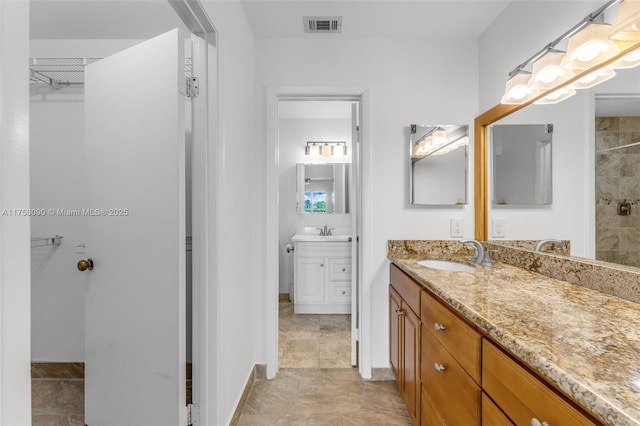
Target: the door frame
pixel 15 294
pixel 204 211
pixel 274 95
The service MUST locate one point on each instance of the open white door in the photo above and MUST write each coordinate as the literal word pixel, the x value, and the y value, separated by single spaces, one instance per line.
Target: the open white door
pixel 135 304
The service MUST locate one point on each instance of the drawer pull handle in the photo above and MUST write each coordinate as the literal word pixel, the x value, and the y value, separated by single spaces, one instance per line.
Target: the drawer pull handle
pixel 440 368
pixel 322 265
pixel 344 292
pixel 536 422
pixel 344 269
pixel 399 311
pixel 439 327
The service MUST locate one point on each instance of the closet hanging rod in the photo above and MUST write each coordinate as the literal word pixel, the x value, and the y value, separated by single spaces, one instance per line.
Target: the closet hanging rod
pixel 46 241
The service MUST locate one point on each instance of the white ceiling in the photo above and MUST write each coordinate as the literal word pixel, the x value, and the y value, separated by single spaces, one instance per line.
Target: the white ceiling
pixel 139 19
pixel 369 18
pixel 101 19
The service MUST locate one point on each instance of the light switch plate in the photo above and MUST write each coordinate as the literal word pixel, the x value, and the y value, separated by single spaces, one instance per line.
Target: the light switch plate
pixel 499 228
pixel 457 228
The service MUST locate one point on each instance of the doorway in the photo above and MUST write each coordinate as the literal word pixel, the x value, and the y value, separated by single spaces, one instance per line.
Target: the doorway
pixel 279 276
pixel 316 190
pixel 63 185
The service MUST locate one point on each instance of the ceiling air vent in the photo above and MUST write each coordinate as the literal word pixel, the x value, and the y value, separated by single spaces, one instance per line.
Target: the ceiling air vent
pixel 322 24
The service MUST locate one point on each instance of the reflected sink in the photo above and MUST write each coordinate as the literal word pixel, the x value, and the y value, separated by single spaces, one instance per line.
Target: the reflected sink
pixel 446 265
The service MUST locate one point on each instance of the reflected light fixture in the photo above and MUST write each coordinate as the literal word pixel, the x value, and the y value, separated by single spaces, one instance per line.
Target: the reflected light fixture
pixel 630 60
pixel 556 96
pixel 591 45
pixel 627 26
pixel 434 140
pixel 593 78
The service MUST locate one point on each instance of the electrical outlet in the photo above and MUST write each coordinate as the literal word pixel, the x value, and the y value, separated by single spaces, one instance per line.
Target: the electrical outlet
pixel 499 228
pixel 457 228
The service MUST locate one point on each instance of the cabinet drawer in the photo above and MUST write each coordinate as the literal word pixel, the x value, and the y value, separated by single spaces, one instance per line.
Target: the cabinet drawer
pixel 340 292
pixel 492 415
pixel 521 395
pixel 454 334
pixel 340 269
pixel 453 395
pixel 406 287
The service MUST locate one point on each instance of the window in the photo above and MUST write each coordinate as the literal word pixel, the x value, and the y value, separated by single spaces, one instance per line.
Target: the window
pixel 315 201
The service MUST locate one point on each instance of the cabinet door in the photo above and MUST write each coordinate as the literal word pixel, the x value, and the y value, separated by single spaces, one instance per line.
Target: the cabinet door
pixel 395 307
pixel 410 332
pixel 309 280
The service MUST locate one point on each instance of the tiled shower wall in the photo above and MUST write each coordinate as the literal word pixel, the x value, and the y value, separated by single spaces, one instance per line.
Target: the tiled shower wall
pixel 617 179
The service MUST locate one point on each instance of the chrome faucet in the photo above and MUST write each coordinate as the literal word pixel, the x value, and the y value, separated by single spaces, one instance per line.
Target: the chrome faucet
pixel 542 243
pixel 325 232
pixel 478 254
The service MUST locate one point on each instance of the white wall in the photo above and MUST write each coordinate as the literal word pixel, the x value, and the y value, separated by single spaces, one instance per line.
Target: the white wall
pixel 58 181
pixel 293 134
pixel 407 85
pixel 15 288
pixel 235 328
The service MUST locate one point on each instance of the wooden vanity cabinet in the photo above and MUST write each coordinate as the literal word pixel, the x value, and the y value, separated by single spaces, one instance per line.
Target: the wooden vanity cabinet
pixel 450 373
pixel 523 397
pixel 404 338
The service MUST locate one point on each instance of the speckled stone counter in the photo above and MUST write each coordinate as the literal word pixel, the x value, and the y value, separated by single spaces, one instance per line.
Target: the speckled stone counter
pixel 584 341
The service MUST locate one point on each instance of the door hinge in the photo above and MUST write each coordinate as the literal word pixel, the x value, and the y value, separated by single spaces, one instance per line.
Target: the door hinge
pixel 193 414
pixel 193 87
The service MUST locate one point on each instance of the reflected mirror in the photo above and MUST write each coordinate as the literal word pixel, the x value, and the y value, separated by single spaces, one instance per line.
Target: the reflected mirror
pixel 438 158
pixel 521 164
pixel 322 188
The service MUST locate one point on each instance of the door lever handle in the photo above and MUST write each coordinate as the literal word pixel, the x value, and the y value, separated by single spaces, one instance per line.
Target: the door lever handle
pixel 83 265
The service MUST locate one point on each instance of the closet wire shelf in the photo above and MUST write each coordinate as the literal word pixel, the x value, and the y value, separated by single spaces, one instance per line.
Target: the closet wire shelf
pixel 46 241
pixel 56 72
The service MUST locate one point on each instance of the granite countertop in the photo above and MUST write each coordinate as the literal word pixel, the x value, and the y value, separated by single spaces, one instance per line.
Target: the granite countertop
pixel 584 341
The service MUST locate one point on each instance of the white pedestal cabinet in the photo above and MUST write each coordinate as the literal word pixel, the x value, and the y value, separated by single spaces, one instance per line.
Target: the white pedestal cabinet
pixel 322 277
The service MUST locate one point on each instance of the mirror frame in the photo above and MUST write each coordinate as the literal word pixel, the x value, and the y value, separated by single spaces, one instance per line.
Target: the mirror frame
pixel 481 143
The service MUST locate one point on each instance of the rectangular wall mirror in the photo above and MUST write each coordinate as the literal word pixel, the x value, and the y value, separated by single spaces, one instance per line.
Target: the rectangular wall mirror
pixel 438 158
pixel 322 188
pixel 521 164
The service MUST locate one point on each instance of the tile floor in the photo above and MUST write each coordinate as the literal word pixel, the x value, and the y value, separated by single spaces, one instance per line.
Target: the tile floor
pixel 313 341
pixel 333 396
pixel 57 394
pixel 316 384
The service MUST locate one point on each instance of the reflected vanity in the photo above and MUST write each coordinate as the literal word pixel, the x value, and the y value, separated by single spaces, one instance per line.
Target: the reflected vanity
pixel 438 158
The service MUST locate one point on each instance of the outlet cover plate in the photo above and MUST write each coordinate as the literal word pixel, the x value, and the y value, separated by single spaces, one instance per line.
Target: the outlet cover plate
pixel 498 228
pixel 457 228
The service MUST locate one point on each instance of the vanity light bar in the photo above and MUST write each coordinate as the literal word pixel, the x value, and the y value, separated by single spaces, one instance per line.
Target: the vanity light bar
pixel 592 45
pixel 326 148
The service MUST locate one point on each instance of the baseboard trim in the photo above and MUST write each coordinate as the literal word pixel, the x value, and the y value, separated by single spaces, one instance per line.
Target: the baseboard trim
pixel 57 370
pixel 258 372
pixel 382 374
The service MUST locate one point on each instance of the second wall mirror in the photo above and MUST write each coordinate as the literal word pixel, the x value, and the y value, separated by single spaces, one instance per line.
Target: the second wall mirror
pixel 438 158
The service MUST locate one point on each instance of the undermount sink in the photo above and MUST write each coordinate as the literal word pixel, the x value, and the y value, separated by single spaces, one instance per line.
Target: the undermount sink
pixel 446 265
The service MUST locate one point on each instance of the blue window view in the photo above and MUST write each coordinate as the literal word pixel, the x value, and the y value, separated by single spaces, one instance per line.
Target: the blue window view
pixel 315 202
